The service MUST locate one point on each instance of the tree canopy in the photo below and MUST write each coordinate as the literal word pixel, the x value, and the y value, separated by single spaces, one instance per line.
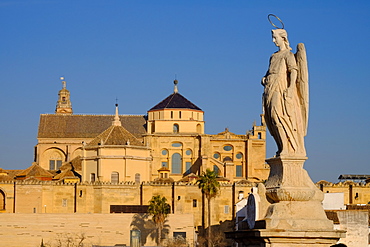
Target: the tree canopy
pixel 208 183
pixel 159 210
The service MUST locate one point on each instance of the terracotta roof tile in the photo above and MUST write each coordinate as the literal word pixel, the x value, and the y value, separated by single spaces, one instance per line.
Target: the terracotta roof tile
pixel 34 171
pixel 115 135
pixel 67 174
pixel 86 126
pixel 74 164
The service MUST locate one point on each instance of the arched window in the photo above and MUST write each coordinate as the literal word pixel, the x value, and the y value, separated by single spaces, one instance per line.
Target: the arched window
pixel 176 128
pixel 114 177
pixel 2 200
pixel 216 169
pixel 227 158
pixel 137 178
pixel 217 156
pixel 199 129
pixel 239 156
pixel 92 177
pixel 176 163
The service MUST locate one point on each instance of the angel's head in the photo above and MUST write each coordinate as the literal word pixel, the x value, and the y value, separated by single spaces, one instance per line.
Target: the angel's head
pixel 280 38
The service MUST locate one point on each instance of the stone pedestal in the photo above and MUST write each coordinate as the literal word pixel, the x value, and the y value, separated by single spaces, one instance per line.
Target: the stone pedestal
pixel 296 201
pixel 282 238
pixel 295 217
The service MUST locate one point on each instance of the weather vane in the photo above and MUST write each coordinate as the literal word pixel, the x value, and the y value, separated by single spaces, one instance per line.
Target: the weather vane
pixel 281 22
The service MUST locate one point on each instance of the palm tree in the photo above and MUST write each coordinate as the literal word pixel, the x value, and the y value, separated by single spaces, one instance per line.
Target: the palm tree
pixel 159 209
pixel 209 185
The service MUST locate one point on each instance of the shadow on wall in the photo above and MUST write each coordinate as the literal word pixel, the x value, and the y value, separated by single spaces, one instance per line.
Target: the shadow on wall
pixel 218 234
pixel 147 228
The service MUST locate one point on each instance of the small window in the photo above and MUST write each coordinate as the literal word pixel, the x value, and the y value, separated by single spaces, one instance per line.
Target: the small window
pixel 239 156
pixel 216 170
pixel 171 114
pixel 216 155
pixel 59 164
pixel 51 164
pixel 194 203
pixel 137 178
pixel 226 209
pixel 55 164
pixel 164 152
pixel 179 234
pixel 239 171
pixel 179 114
pixel 92 177
pixel 228 148
pixel 114 178
pixel 259 135
pixel 176 145
pixel 188 152
pixel 175 128
pixel 165 164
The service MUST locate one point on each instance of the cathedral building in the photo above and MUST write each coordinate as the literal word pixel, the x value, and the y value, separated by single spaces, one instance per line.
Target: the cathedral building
pixel 106 165
pixel 168 143
pixel 109 166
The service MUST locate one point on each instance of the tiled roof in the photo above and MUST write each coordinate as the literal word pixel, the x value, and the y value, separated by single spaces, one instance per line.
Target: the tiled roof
pixel 74 164
pixel 115 135
pixel 35 171
pixel 175 101
pixel 67 174
pixel 86 126
pixel 5 178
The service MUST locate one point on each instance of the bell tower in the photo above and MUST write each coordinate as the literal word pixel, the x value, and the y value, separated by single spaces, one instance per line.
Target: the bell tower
pixel 64 105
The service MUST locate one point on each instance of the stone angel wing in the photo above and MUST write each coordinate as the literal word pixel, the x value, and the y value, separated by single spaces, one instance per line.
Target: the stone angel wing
pixel 302 83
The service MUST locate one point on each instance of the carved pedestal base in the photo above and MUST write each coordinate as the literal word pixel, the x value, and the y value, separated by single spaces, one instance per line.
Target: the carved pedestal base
pixel 281 238
pixel 296 202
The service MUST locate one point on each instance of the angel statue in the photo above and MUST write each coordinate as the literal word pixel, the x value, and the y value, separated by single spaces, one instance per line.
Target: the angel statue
pixel 285 97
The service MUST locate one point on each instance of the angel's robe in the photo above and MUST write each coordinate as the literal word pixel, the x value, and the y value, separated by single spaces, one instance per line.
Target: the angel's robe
pixel 283 113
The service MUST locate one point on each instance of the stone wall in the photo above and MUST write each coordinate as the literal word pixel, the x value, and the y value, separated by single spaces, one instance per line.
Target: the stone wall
pixel 98 229
pixel 356 224
pixel 89 198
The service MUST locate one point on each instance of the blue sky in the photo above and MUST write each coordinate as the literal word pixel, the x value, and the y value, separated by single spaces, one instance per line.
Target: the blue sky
pixel 218 50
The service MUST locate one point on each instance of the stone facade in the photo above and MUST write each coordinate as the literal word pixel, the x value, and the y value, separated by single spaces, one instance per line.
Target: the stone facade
pixel 135 147
pixel 29 230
